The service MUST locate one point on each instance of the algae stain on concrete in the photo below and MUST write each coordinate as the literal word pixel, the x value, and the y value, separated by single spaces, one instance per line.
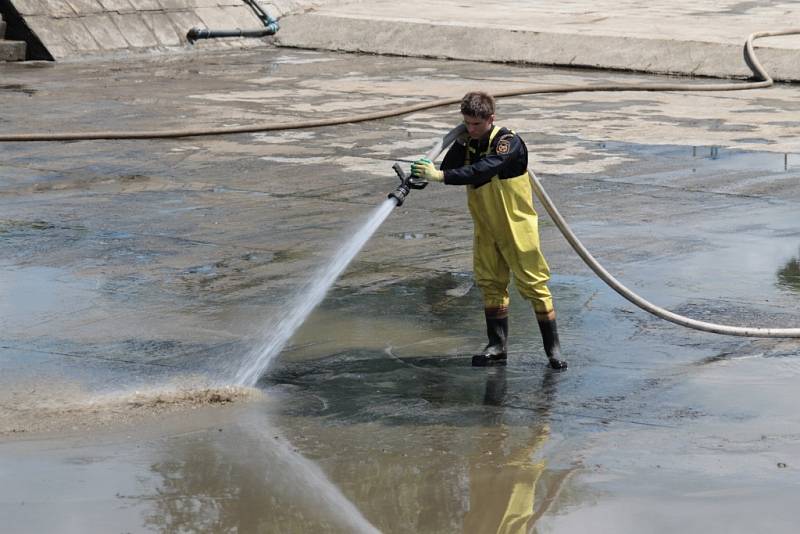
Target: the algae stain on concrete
pixel 789 275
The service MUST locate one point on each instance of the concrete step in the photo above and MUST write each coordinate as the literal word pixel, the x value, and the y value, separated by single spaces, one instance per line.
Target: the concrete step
pixel 12 50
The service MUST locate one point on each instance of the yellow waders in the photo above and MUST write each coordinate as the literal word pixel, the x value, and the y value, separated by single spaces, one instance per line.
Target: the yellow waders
pixel 507 240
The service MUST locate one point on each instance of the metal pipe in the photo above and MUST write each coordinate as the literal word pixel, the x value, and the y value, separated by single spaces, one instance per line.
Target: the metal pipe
pixel 196 34
pixel 270 27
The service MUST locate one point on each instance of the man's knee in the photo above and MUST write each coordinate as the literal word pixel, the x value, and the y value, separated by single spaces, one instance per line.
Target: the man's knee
pixel 540 298
pixel 495 295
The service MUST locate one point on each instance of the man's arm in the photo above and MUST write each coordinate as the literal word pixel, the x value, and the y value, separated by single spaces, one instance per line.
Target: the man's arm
pixel 509 148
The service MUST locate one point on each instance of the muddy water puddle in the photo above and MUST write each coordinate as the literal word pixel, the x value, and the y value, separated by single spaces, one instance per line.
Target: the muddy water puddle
pixel 384 406
pixel 728 466
pixel 374 399
pixel 712 156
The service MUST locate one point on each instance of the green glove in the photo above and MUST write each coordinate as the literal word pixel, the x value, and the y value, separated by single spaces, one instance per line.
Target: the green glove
pixel 424 168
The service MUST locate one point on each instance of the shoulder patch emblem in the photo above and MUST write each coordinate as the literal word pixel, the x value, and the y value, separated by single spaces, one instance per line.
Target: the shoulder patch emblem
pixel 504 145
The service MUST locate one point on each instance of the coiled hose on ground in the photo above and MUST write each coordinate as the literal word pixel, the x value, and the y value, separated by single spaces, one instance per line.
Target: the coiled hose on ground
pixel 765 80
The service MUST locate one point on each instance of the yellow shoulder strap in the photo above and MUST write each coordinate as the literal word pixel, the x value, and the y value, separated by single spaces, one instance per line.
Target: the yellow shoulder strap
pixel 467 156
pixel 495 129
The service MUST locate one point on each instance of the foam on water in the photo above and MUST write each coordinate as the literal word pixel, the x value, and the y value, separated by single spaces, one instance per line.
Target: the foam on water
pixel 33 407
pixel 278 331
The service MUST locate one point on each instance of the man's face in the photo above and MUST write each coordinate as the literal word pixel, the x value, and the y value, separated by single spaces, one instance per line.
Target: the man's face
pixel 477 127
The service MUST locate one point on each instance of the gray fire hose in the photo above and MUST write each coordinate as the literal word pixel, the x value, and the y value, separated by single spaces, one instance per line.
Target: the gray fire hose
pixel 646 305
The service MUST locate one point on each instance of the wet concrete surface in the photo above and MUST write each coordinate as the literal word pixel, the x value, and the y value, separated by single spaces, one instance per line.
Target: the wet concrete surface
pixel 137 273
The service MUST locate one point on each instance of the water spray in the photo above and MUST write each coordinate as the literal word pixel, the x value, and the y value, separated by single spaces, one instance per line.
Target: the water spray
pixel 278 331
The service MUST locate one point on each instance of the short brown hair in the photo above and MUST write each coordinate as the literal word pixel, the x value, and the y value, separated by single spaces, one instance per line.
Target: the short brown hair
pixel 477 104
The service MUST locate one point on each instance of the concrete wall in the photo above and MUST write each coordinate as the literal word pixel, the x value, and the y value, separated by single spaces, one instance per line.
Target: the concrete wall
pixel 76 28
pixel 363 29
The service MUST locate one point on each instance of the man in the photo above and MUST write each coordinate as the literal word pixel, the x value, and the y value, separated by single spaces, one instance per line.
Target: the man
pixel 493 163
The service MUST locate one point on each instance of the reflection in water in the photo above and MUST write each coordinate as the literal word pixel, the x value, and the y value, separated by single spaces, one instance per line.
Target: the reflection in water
pixel 428 444
pixel 255 482
pixel 463 455
pixel 496 387
pixel 504 475
pixel 756 160
pixel 789 276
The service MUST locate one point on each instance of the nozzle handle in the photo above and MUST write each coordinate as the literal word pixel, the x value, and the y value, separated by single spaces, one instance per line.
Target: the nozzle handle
pixel 400 172
pixel 407 180
pixel 407 183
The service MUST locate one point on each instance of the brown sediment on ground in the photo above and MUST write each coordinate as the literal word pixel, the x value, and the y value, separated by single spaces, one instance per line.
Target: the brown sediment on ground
pixel 44 409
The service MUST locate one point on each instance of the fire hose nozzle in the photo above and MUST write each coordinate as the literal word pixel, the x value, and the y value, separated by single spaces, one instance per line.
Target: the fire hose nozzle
pixel 407 183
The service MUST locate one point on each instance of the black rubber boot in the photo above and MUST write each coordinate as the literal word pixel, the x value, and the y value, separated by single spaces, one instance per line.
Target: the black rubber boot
pixel 551 345
pixel 495 352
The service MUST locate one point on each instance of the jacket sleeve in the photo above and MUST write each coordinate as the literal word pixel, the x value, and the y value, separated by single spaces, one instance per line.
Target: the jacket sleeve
pixel 487 167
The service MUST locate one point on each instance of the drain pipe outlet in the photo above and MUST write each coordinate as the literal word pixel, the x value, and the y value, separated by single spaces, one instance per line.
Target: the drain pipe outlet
pixel 196 34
